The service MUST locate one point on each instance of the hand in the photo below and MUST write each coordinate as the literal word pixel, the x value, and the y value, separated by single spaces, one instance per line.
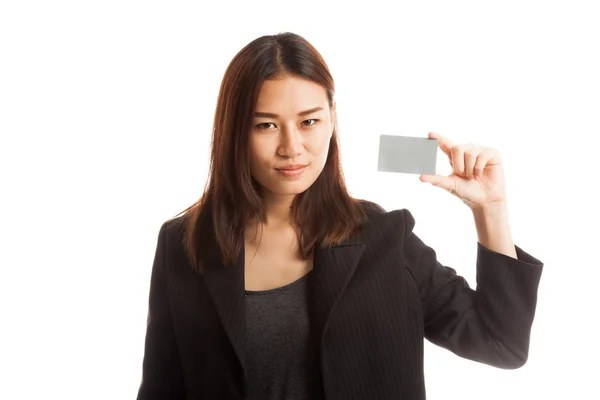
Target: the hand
pixel 477 178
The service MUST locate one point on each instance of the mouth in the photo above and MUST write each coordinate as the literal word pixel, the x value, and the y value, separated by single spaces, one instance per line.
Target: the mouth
pixel 291 171
pixel 294 167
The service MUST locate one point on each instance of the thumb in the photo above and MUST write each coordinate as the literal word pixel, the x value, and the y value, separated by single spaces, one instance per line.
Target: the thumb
pixel 438 180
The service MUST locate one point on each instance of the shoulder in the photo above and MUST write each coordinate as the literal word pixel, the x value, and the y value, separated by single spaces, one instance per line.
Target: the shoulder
pixel 380 220
pixel 171 230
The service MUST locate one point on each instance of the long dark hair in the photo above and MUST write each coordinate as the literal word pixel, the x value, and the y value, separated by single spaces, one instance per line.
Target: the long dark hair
pixel 323 215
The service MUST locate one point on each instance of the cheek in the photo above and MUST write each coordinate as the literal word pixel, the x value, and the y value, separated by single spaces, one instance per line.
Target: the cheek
pixel 257 152
pixel 260 158
pixel 321 148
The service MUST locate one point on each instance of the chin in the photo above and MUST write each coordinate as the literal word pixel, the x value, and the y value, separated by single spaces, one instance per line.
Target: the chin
pixel 297 189
pixel 292 188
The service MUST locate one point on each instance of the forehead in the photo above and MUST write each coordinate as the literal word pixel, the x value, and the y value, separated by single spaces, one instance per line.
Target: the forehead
pixel 290 94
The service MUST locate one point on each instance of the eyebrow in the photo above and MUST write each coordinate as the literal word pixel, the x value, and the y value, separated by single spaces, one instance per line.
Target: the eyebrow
pixel 300 114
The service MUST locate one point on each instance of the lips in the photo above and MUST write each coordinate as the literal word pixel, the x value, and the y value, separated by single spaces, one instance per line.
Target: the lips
pixel 293 167
pixel 290 173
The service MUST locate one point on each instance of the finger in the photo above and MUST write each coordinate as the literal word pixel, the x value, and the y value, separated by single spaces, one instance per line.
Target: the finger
pixel 441 181
pixel 482 160
pixel 443 142
pixel 470 159
pixel 458 160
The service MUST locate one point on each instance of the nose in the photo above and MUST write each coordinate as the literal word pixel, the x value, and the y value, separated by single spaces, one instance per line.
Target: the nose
pixel 290 144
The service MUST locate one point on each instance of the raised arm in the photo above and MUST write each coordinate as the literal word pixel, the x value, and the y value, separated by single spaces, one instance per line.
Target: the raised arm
pixel 491 324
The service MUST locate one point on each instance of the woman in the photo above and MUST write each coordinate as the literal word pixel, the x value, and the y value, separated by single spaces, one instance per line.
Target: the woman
pixel 277 284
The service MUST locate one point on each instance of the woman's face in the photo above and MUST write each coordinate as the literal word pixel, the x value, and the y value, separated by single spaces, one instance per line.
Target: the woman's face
pixel 297 131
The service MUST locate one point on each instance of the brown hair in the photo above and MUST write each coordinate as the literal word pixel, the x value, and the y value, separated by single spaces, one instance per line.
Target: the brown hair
pixel 325 214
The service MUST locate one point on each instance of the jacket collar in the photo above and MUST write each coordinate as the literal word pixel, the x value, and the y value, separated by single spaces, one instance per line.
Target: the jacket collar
pixel 332 269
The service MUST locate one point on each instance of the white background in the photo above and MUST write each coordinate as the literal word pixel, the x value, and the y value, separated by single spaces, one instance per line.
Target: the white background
pixel 106 112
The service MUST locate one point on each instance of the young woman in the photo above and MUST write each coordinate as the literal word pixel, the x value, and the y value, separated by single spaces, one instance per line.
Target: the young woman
pixel 277 284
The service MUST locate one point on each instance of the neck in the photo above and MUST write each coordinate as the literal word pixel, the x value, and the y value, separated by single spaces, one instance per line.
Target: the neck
pixel 278 210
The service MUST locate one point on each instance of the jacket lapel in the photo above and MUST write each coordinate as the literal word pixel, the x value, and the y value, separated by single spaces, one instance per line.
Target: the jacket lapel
pixel 226 288
pixel 333 267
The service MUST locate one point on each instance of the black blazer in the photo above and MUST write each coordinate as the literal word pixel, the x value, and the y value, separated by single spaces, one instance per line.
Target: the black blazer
pixel 374 298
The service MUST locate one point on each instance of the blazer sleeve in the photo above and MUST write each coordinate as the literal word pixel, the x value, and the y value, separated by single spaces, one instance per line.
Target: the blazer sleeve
pixel 162 376
pixel 491 324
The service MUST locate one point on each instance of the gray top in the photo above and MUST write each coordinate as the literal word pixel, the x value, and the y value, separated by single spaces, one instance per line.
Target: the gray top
pixel 283 358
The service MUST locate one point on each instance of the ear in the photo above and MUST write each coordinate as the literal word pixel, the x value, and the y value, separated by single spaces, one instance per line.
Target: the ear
pixel 334 120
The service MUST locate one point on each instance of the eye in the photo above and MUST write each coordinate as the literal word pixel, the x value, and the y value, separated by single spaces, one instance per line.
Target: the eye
pixel 316 120
pixel 265 125
pixel 262 126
